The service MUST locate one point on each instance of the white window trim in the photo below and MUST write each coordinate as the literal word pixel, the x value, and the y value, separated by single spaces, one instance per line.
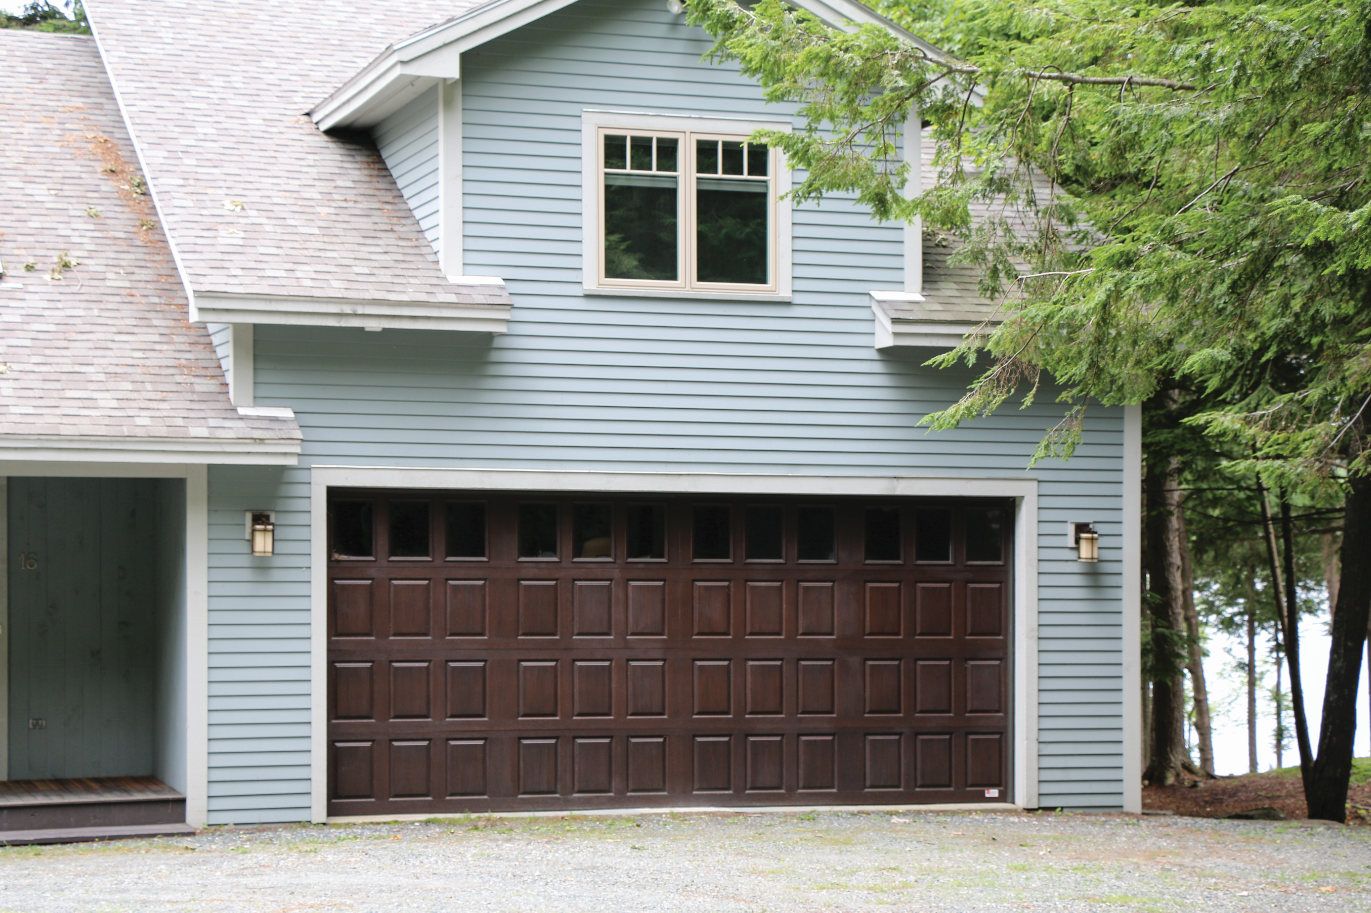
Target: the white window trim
pixel 592 121
pixel 1023 491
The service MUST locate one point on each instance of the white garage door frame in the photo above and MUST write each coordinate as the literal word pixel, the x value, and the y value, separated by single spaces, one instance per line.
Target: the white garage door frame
pixel 1023 491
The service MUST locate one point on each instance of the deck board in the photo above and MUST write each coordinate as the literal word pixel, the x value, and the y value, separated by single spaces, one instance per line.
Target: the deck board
pixel 94 789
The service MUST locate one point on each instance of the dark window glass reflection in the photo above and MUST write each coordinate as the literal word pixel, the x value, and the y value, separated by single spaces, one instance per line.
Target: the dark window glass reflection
pixel 646 531
pixel 814 534
pixel 409 529
pixel 711 534
pixel 537 530
pixel 882 534
pixel 466 529
pixel 933 535
pixel 985 535
pixel 590 531
pixel 764 542
pixel 352 532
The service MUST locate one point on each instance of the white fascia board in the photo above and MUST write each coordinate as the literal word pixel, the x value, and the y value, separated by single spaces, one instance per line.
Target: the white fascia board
pixel 392 80
pixel 161 450
pixel 347 312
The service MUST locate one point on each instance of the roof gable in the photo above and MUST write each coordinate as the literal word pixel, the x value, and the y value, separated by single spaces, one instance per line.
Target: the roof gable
pixel 409 67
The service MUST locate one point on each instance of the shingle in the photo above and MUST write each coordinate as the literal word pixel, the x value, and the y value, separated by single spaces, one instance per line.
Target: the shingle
pixel 217 92
pixel 106 350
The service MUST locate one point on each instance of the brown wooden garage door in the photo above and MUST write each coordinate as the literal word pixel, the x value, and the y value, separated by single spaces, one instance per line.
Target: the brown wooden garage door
pixel 520 651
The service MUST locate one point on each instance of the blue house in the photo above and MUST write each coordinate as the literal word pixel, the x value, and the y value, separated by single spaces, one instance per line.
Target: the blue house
pixel 440 408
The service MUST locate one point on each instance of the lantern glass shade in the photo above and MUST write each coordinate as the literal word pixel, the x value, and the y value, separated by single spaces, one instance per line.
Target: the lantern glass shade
pixel 263 534
pixel 1089 543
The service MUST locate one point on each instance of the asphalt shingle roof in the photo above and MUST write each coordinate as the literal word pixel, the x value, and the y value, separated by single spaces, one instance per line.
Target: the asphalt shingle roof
pixel 256 199
pixel 100 349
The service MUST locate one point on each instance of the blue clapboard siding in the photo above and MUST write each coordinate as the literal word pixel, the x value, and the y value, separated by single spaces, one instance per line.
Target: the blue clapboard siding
pixel 408 141
pixel 585 382
pixel 221 335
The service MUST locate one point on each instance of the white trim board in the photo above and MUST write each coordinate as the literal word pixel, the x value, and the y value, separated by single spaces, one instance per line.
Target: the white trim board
pixel 218 307
pixel 197 645
pixel 118 451
pixel 1024 492
pixel 4 629
pixel 1132 609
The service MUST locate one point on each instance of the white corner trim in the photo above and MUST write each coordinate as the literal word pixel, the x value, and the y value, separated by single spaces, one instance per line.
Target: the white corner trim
pixel 318 647
pixel 213 307
pixel 4 629
pixel 450 226
pixel 1132 609
pixel 1024 491
pixel 197 645
pixel 241 378
pixel 82 449
pixel 913 231
pixel 1025 656
pixel 593 118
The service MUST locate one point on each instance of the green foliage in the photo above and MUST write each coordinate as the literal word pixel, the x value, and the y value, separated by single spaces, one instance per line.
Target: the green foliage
pixel 43 16
pixel 1168 192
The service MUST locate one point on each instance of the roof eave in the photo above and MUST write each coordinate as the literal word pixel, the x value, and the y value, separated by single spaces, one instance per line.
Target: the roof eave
pixel 98 449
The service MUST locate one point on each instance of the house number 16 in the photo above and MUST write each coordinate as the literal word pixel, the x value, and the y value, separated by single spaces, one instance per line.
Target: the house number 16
pixel 28 561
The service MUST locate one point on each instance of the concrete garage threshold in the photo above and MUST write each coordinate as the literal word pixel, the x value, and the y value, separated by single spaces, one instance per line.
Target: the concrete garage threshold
pixel 690 810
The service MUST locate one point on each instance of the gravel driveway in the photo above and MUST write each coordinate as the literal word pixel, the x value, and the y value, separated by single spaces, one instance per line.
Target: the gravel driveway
pixel 766 862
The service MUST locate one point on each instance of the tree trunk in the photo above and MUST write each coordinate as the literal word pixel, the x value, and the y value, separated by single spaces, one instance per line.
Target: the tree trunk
pixel 1195 651
pixel 1251 674
pixel 1167 759
pixel 1287 617
pixel 1326 784
pixel 1280 716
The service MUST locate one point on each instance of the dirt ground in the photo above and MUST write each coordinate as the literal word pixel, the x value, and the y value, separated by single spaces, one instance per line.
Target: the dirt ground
pixel 1222 797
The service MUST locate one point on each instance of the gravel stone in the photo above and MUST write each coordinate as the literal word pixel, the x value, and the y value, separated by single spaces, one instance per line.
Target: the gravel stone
pixel 714 862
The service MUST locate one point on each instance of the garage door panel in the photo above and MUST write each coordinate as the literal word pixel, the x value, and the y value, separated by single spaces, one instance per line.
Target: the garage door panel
pixel 485 681
pixel 466 608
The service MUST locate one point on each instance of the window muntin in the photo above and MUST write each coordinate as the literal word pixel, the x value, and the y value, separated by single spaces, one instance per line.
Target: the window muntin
pixel 686 210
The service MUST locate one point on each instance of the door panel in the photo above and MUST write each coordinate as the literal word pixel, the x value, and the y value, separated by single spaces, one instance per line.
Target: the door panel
pixel 850 653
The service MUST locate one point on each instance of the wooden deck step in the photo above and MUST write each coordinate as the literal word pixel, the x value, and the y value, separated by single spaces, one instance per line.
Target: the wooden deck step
pixel 88 834
pixel 33 806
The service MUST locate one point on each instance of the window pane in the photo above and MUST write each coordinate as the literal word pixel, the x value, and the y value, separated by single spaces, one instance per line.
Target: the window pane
pixel 711 533
pixel 646 531
pixel 590 531
pixel 640 153
pixel 764 542
pixel 641 227
pixel 409 529
pixel 707 156
pixel 615 147
pixel 352 533
pixel 666 153
pixel 758 160
pixel 882 534
pixel 733 157
pixel 933 535
pixel 814 534
pixel 466 529
pixel 537 530
pixel 984 535
pixel 733 224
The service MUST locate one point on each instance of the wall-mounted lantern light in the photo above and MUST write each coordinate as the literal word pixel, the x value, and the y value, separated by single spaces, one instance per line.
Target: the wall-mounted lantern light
pixel 261 531
pixel 1085 540
pixel 675 7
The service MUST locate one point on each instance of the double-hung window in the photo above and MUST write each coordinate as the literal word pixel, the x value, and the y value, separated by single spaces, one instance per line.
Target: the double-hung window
pixel 685 210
